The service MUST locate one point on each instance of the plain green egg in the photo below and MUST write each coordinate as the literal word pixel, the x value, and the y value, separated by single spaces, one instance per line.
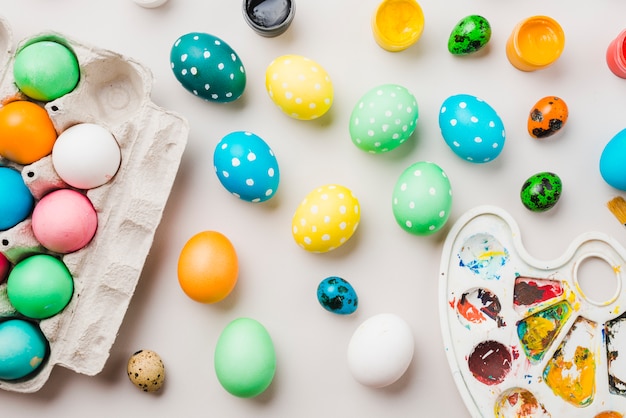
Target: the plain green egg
pixel 245 359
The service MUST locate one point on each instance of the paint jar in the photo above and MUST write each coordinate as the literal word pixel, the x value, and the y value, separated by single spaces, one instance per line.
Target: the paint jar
pixel 269 18
pixel 397 24
pixel 615 55
pixel 535 43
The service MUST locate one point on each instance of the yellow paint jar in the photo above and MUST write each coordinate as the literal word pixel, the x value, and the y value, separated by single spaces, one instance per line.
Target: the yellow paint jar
pixel 535 43
pixel 397 24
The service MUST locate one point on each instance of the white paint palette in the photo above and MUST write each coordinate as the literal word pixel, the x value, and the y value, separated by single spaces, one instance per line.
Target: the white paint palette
pixel 114 92
pixel 522 337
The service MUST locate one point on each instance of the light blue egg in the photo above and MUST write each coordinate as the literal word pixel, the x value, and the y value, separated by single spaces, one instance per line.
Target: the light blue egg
pixel 471 128
pixel 613 161
pixel 246 166
pixel 23 348
pixel 16 201
pixel 337 295
pixel 208 67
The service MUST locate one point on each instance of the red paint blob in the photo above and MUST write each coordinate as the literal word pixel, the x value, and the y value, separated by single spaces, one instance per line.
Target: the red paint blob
pixel 490 362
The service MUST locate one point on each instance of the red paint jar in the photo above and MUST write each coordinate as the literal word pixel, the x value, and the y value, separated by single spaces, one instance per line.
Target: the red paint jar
pixel 615 57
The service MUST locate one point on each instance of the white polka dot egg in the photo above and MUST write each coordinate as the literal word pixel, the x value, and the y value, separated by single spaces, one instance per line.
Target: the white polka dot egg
pixel 299 86
pixel 422 198
pixel 246 166
pixel 326 218
pixel 471 128
pixel 383 119
pixel 208 67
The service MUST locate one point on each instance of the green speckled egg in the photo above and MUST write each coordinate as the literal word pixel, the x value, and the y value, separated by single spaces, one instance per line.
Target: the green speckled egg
pixel 541 191
pixel 469 35
pixel 208 67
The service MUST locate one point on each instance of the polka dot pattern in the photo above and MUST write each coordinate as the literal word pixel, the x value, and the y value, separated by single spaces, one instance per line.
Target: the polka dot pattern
pixel 471 128
pixel 208 67
pixel 422 198
pixel 246 166
pixel 326 218
pixel 383 119
pixel 299 86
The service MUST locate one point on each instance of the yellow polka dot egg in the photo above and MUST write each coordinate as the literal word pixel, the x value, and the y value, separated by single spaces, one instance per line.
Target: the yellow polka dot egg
pixel 299 86
pixel 326 218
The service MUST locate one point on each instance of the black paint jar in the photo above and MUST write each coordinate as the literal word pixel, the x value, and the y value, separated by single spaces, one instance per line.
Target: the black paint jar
pixel 269 17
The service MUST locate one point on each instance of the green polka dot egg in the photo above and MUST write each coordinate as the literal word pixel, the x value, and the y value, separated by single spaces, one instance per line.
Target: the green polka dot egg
pixel 422 198
pixel 208 67
pixel 299 86
pixel 326 218
pixel 383 119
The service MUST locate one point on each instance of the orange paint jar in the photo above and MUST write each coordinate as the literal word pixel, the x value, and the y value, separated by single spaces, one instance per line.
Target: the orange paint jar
pixel 535 43
pixel 397 24
pixel 615 58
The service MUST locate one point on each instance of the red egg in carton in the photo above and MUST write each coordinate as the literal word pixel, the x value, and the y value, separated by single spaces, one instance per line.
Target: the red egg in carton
pixel 118 186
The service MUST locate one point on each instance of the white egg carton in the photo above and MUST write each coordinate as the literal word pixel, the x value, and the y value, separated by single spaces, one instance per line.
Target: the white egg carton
pixel 561 347
pixel 114 92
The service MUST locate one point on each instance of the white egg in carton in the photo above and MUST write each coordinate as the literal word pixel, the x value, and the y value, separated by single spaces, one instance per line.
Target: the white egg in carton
pixel 114 92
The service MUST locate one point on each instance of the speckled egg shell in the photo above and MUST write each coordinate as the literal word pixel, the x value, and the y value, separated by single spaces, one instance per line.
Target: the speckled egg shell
pixel 246 166
pixel 471 128
pixel 337 295
pixel 422 198
pixel 547 117
pixel 299 86
pixel 146 371
pixel 541 191
pixel 469 35
pixel 383 119
pixel 326 218
pixel 208 67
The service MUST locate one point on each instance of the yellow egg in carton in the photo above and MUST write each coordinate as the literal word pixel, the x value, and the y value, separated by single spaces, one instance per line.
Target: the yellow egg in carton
pixel 114 92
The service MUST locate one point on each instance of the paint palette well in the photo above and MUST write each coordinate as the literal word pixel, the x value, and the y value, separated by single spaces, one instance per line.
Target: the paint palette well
pixel 521 335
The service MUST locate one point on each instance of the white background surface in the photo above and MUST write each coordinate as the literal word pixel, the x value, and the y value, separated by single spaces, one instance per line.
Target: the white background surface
pixel 391 270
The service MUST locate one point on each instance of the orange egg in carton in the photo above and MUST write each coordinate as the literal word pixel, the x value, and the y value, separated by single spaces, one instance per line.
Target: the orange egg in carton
pixel 89 284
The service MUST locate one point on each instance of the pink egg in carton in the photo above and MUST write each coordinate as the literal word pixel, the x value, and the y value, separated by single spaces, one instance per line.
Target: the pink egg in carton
pixel 113 92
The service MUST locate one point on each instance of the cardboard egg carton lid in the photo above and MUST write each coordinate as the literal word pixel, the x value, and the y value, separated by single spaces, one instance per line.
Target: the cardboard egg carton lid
pixel 114 92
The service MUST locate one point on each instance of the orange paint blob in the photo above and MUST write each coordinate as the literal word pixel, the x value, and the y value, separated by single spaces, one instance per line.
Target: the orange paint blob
pixel 535 43
pixel 208 267
pixel 27 133
pixel 609 414
pixel 397 24
pixel 573 379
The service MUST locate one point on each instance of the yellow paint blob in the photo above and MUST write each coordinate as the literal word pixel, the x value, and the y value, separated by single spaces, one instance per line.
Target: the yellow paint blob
pixel 535 43
pixel 397 24
pixel 609 414
pixel 572 379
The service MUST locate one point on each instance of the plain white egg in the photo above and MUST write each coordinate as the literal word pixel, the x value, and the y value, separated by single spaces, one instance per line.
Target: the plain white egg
pixel 150 4
pixel 380 350
pixel 86 156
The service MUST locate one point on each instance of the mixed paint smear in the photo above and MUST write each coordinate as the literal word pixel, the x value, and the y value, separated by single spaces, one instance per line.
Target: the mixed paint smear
pixel 615 333
pixel 484 256
pixel 519 403
pixel 538 331
pixel 478 306
pixel 529 291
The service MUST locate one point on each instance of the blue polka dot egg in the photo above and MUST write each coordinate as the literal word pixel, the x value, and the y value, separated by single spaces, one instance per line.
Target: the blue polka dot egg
pixel 208 67
pixel 246 166
pixel 471 128
pixel 336 295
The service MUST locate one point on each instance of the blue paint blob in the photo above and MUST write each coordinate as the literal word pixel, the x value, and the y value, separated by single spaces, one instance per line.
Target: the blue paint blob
pixel 338 296
pixel 16 201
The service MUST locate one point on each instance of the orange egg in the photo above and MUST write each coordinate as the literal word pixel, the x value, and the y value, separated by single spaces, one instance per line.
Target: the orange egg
pixel 547 117
pixel 26 132
pixel 208 267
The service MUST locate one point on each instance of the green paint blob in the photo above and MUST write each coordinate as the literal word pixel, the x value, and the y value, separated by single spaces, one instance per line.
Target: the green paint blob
pixel 245 359
pixel 46 70
pixel 469 35
pixel 541 191
pixel 40 286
